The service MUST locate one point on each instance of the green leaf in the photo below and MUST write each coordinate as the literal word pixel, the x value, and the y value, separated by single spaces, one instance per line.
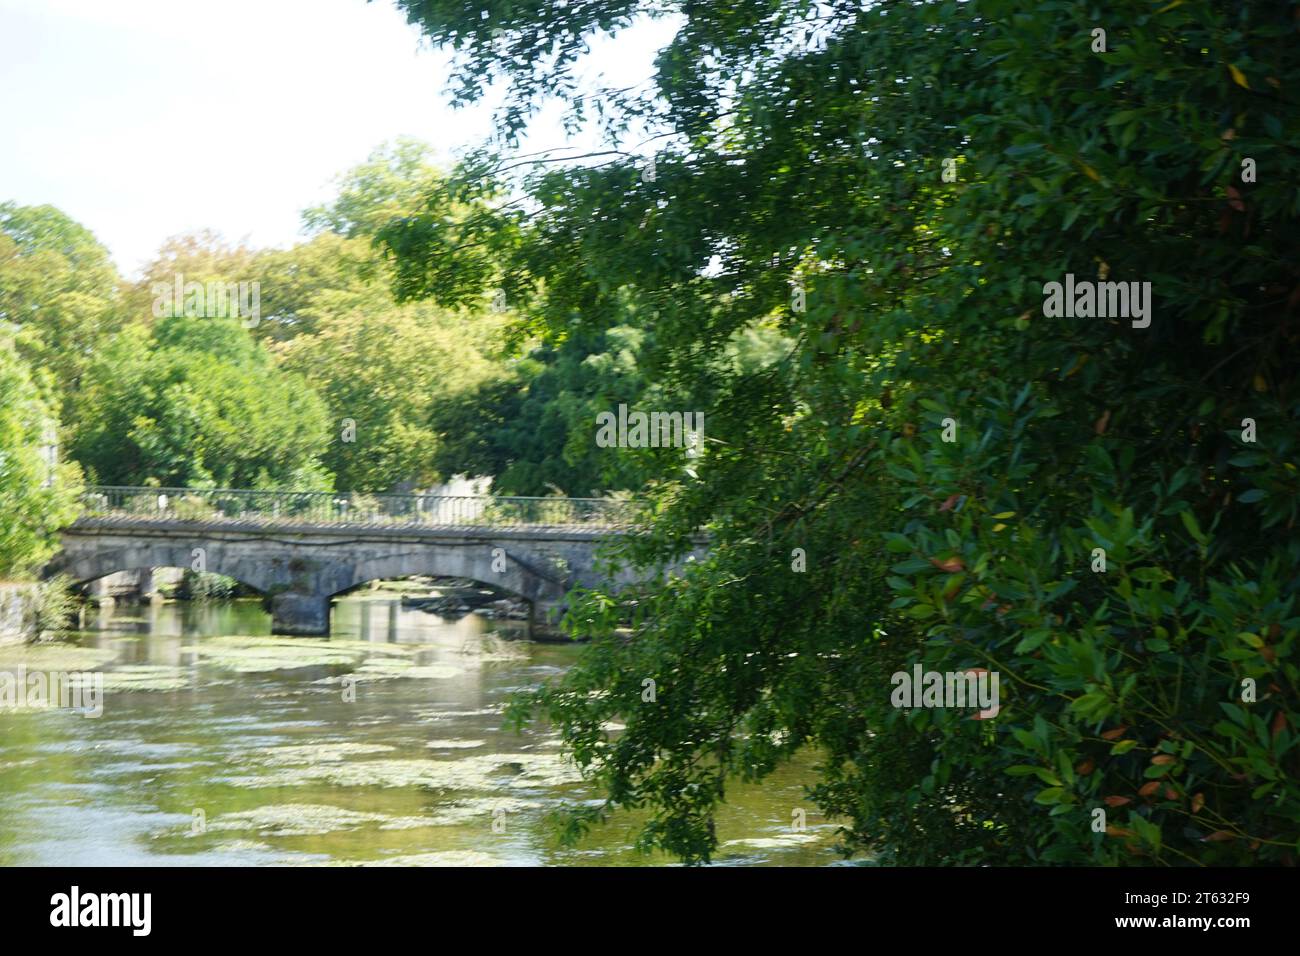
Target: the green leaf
pixel 1193 528
pixel 1032 639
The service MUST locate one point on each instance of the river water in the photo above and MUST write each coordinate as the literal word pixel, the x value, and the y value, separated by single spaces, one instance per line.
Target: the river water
pixel 380 745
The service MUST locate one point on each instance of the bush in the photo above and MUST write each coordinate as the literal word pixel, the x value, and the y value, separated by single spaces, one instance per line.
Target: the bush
pixel 57 605
pixel 203 586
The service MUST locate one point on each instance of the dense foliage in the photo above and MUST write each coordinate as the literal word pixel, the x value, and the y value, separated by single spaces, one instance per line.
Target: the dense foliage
pixel 196 402
pixel 386 370
pixel 36 496
pixel 830 227
pixel 891 186
pixel 325 382
pixel 58 286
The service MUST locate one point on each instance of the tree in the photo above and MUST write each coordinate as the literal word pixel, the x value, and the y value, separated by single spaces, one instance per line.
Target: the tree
pixel 383 368
pixel 531 425
pixel 196 402
pixel 303 286
pixel 197 257
pixel 897 185
pixel 37 495
pixel 382 371
pixel 391 183
pixel 58 286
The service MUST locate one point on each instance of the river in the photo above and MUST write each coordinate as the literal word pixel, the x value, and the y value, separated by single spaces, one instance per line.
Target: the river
pixel 380 745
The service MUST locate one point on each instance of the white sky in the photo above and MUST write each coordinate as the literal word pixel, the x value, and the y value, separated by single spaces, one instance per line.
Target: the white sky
pixel 143 119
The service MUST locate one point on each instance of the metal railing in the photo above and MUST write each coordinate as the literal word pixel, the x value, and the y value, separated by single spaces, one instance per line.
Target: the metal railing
pixel 329 508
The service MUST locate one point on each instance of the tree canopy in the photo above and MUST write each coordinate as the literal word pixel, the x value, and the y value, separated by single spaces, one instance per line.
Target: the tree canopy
pixel 197 402
pixel 58 286
pixel 1100 510
pixel 37 496
pixel 332 383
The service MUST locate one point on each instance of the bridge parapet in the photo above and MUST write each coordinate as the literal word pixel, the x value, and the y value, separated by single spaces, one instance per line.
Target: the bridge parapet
pixel 125 505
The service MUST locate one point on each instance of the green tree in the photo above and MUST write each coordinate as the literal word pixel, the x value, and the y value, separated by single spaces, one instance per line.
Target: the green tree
pixel 197 402
pixel 387 371
pixel 382 370
pixel 296 287
pixel 59 287
pixel 895 185
pixel 392 182
pixel 306 284
pixel 532 423
pixel 200 257
pixel 37 496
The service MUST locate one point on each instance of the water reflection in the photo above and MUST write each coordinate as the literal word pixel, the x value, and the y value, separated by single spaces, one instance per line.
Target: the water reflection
pixel 383 744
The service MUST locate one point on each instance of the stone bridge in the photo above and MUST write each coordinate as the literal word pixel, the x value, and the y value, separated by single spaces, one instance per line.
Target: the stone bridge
pixel 300 549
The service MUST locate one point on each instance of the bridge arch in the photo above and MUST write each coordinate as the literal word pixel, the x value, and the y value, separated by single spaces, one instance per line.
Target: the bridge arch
pixel 492 566
pixel 84 566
